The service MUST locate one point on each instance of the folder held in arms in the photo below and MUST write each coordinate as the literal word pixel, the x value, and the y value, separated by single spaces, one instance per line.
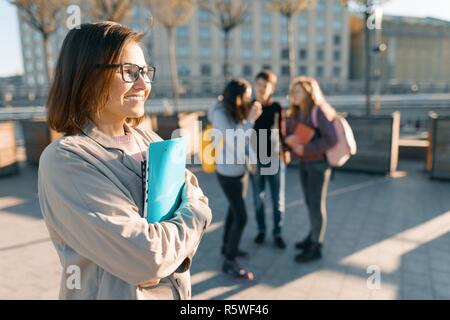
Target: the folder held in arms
pixel 165 178
pixel 303 133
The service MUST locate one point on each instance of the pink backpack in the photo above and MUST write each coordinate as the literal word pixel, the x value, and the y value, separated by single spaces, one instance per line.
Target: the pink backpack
pixel 345 147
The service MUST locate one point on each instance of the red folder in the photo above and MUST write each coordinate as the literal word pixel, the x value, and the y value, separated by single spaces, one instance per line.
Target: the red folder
pixel 303 133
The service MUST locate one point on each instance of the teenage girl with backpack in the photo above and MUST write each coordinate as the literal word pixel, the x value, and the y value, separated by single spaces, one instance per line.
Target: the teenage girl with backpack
pixel 305 95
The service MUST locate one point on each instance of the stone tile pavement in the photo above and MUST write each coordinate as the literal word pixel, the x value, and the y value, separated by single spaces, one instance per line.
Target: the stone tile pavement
pixel 399 227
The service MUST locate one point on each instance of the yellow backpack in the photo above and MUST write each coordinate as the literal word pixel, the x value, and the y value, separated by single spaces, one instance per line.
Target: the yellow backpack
pixel 208 153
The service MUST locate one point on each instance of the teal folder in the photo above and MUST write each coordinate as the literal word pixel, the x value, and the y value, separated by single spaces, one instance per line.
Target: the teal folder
pixel 165 178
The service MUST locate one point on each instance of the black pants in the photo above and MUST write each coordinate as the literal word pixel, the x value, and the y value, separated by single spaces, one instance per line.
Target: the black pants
pixel 235 189
pixel 315 177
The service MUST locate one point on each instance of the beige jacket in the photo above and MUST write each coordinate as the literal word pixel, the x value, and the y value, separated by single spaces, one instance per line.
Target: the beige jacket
pixel 90 193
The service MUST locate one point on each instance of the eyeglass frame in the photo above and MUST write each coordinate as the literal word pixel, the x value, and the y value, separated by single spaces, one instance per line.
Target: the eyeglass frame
pixel 117 65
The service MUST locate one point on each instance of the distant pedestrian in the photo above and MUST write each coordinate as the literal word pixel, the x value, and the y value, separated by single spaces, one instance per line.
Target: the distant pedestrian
pixel 307 102
pixel 234 112
pixel 271 158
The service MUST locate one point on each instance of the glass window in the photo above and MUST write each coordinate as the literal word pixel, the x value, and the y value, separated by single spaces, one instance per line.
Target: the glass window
pixel 182 32
pixel 266 53
pixel 337 71
pixel 205 34
pixel 285 70
pixel 303 54
pixel 266 36
pixel 285 53
pixel 337 24
pixel 284 37
pixel 320 55
pixel 205 70
pixel 247 70
pixel 183 51
pixel 319 71
pixel 320 38
pixel 205 52
pixel 247 53
pixel 337 39
pixel 302 70
pixel 320 22
pixel 337 55
pixel 203 15
pixel 246 35
pixel 303 38
pixel 303 21
pixel 266 18
pixel 184 70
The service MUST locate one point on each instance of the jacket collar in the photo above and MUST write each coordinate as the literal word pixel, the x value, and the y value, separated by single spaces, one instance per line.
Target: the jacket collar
pixel 91 130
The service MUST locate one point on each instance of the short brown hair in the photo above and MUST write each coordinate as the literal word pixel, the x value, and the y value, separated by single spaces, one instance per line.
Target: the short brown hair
pixel 80 90
pixel 268 76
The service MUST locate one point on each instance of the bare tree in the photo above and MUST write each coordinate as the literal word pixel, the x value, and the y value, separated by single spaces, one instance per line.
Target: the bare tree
pixel 172 14
pixel 42 15
pixel 287 9
pixel 367 8
pixel 110 10
pixel 228 14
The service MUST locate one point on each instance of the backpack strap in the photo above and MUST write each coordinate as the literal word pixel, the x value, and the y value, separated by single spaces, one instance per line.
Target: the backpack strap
pixel 314 112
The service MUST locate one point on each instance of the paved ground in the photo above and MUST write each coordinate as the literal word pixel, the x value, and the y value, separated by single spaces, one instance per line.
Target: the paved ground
pixel 398 226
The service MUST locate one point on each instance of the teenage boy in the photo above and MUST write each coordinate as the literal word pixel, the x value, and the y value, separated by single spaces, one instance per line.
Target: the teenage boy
pixel 269 156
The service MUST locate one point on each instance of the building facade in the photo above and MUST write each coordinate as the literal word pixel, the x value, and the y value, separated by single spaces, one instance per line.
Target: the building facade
pixel 322 48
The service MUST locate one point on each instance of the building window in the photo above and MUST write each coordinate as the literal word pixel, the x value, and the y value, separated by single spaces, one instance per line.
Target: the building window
pixel 205 70
pixel 266 19
pixel 266 36
pixel 183 51
pixel 320 55
pixel 284 38
pixel 266 53
pixel 182 32
pixel 337 7
pixel 183 70
pixel 267 67
pixel 320 38
pixel 247 53
pixel 205 34
pixel 303 54
pixel 337 39
pixel 303 21
pixel 303 38
pixel 319 71
pixel 246 35
pixel 336 55
pixel 205 52
pixel 203 15
pixel 337 25
pixel 247 70
pixel 285 53
pixel 302 70
pixel 337 71
pixel 284 22
pixel 320 23
pixel 285 70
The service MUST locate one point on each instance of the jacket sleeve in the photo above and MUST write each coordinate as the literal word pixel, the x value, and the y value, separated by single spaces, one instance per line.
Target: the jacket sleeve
pixel 93 215
pixel 326 140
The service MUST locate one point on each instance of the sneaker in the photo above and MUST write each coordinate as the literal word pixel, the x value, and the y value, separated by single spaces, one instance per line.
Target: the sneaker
pixel 311 253
pixel 279 242
pixel 239 253
pixel 302 245
pixel 232 268
pixel 259 239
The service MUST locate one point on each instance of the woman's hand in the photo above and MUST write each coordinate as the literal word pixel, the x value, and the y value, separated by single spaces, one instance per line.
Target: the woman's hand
pixel 149 283
pixel 191 190
pixel 255 111
pixel 291 140
pixel 286 157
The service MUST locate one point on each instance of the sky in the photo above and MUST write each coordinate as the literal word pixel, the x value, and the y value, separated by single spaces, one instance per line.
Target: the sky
pixel 11 55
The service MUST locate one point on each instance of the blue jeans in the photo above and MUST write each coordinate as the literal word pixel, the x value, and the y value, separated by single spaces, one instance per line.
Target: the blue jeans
pixel 277 185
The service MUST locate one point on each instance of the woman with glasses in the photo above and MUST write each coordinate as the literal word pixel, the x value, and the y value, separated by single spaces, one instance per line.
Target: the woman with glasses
pixel 90 180
pixel 233 117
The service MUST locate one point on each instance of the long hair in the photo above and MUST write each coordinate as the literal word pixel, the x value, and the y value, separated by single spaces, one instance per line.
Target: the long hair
pixel 314 95
pixel 80 90
pixel 233 97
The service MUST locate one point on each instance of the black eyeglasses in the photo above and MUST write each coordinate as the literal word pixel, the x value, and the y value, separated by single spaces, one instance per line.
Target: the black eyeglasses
pixel 130 71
